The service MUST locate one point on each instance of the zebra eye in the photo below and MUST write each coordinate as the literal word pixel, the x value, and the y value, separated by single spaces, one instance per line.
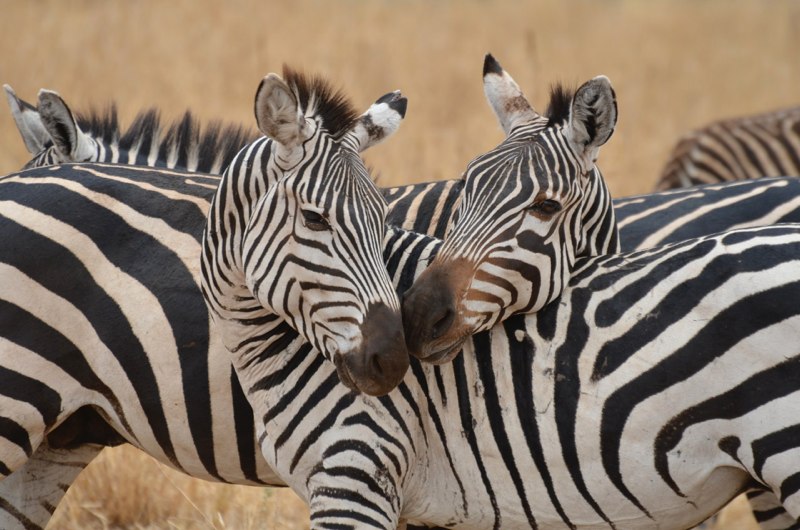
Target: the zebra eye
pixel 546 208
pixel 315 221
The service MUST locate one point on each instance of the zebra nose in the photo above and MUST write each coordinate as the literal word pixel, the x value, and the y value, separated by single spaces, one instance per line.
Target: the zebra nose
pixel 383 360
pixel 429 311
pixel 442 319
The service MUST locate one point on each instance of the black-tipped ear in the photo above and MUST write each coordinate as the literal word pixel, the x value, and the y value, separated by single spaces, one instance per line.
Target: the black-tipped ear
pixel 396 102
pixel 380 120
pixel 491 66
pixel 505 97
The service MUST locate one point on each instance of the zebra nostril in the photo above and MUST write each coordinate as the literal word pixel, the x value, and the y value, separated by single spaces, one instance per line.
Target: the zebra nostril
pixel 375 363
pixel 443 323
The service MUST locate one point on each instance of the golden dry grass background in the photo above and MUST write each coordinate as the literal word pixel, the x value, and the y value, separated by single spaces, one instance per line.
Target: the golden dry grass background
pixel 675 65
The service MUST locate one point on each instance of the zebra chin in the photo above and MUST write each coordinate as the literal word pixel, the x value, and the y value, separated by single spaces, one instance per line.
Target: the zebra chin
pixel 381 361
pixel 436 354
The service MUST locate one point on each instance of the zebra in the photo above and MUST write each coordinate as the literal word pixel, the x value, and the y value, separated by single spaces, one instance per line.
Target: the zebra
pixel 437 310
pixel 681 358
pixel 763 145
pixel 529 208
pixel 179 197
pixel 349 479
pixel 126 191
pixel 55 135
pixel 133 181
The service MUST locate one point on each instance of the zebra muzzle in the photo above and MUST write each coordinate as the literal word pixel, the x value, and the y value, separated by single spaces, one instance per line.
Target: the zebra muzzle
pixel 431 312
pixel 381 362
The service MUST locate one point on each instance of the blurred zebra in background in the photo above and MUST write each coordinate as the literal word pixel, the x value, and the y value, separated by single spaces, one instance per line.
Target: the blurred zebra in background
pixel 764 145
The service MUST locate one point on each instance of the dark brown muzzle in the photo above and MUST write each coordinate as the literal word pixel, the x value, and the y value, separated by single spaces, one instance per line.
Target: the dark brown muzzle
pixel 383 360
pixel 431 313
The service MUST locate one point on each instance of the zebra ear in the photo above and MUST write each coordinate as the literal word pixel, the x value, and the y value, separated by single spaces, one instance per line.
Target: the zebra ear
pixel 28 121
pixel 592 117
pixel 61 125
pixel 381 120
pixel 277 112
pixel 505 97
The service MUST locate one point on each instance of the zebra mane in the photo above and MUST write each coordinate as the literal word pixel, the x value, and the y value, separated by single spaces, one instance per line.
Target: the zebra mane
pixel 334 108
pixel 217 142
pixel 560 102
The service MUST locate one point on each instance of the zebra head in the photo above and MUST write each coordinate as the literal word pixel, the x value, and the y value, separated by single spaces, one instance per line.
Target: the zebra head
pixel 312 249
pixel 529 207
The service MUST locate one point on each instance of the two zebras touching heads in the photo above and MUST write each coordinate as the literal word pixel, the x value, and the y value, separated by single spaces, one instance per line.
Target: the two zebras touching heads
pixel 529 426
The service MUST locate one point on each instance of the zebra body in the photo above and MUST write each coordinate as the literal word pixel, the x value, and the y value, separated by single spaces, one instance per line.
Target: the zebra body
pixel 659 386
pixel 764 145
pixel 509 248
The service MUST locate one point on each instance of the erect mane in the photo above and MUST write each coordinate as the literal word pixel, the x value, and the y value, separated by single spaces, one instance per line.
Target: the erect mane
pixel 560 102
pixel 334 108
pixel 215 146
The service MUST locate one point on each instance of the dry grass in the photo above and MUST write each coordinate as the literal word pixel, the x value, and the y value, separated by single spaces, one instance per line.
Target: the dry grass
pixel 126 489
pixel 675 65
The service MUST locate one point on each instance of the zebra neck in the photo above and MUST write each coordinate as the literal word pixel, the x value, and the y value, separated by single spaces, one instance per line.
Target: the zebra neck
pixel 407 254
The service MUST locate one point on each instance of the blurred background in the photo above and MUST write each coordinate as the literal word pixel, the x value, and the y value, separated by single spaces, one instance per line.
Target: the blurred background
pixel 675 65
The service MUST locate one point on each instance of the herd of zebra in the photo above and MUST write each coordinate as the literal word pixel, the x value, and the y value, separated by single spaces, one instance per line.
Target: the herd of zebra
pixel 509 349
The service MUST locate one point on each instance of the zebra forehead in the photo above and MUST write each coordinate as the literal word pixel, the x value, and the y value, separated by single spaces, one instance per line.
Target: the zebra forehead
pixel 316 96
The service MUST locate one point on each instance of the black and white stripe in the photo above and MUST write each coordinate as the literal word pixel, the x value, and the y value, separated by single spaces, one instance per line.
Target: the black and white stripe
pixel 169 199
pixel 106 337
pixel 764 145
